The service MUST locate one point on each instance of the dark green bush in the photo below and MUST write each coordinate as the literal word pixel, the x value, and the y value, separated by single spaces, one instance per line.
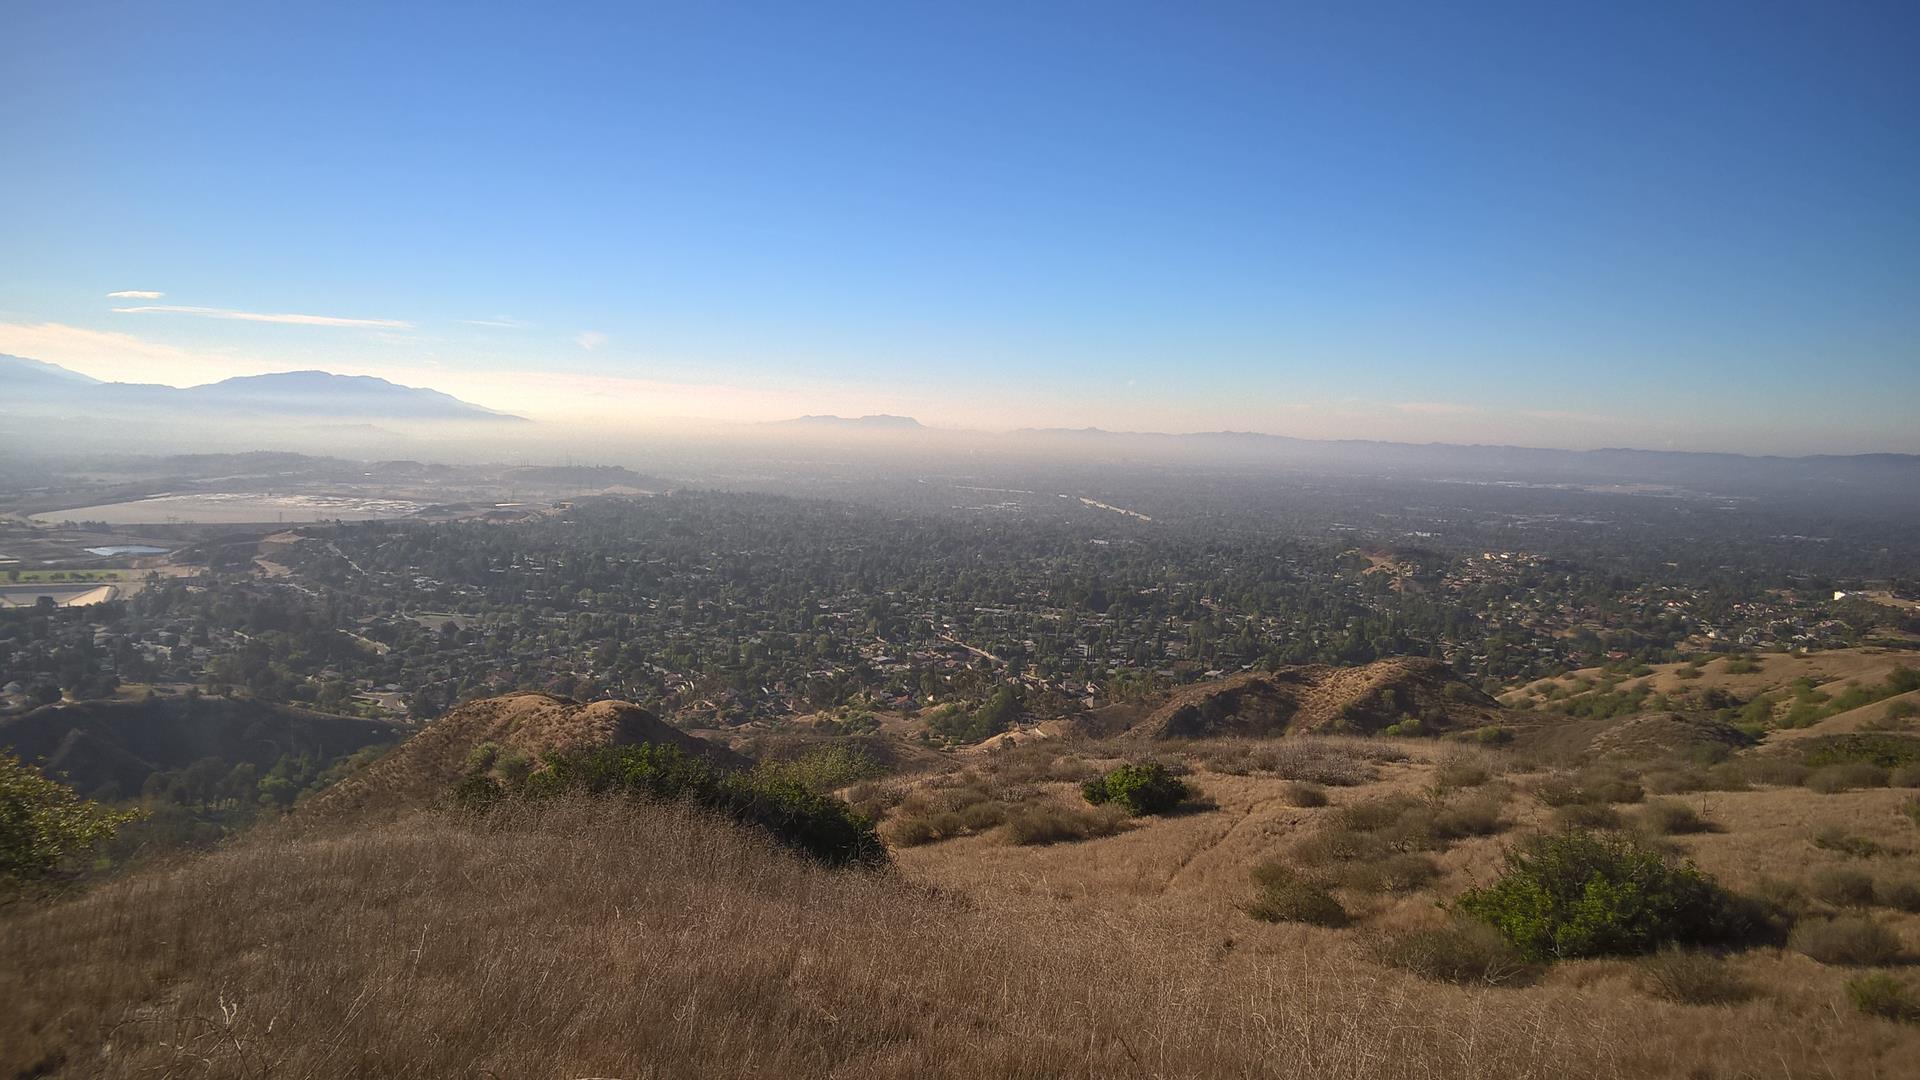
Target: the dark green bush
pixel 817 824
pixel 1138 789
pixel 1885 750
pixel 1577 894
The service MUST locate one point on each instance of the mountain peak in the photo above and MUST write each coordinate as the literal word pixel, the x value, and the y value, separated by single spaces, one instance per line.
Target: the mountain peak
pixel 874 421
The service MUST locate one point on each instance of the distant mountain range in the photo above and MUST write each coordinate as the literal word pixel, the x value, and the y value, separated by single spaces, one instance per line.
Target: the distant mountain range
pixel 37 387
pixel 876 422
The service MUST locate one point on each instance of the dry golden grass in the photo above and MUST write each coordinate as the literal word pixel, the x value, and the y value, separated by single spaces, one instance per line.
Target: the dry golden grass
pixel 593 939
pixel 600 939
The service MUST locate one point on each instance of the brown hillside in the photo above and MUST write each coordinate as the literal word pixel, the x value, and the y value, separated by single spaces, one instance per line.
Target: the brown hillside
pixel 110 748
pixel 1321 699
pixel 419 771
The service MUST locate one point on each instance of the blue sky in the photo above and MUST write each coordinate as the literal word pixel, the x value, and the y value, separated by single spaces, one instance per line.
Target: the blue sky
pixel 1561 224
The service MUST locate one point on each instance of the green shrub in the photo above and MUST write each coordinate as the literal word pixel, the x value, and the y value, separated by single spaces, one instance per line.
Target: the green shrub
pixel 1284 896
pixel 1491 735
pixel 1884 750
pixel 1842 888
pixel 1462 951
pixel 816 824
pixel 1691 977
pixel 1670 817
pixel 1852 940
pixel 1300 793
pixel 44 823
pixel 825 769
pixel 1880 994
pixel 1138 789
pixel 1577 894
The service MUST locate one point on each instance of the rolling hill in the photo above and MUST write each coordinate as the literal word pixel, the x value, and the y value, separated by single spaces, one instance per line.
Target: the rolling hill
pixel 115 745
pixel 525 727
pixel 1320 699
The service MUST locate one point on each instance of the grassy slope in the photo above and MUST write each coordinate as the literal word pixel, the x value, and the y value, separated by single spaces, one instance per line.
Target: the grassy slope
pixel 607 940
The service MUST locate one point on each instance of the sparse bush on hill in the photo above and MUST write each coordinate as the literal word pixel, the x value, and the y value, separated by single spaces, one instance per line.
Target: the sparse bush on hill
pixel 1395 872
pixel 824 769
pixel 1586 816
pixel 1579 894
pixel 1691 977
pixel 1834 779
pixel 1886 751
pixel 1849 940
pixel 1045 824
pixel 45 824
pixel 1335 762
pixel 1462 951
pixel 1302 794
pixel 1880 994
pixel 1842 887
pixel 1491 735
pixel 1460 771
pixel 1284 895
pixel 1902 894
pixel 1774 769
pixel 818 824
pixel 1837 838
pixel 1671 817
pixel 1142 789
pixel 1904 776
pixel 1590 787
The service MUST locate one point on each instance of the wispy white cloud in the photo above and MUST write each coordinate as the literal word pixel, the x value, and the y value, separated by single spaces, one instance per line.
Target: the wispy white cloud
pixel 265 317
pixel 136 294
pixel 505 321
pixel 590 339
